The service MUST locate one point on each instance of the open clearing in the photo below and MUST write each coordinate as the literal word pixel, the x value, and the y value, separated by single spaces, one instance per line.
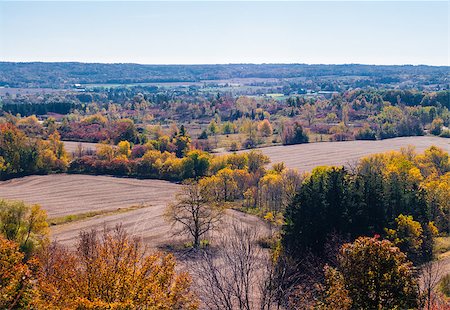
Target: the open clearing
pixel 305 157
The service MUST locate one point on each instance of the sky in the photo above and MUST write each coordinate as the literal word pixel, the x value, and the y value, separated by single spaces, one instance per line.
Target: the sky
pixel 211 32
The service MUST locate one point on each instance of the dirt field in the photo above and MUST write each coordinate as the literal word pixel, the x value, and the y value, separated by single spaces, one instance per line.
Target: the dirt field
pixel 64 194
pixel 305 157
pixel 71 146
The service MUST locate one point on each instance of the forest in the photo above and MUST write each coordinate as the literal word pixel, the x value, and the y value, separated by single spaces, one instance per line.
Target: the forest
pixel 42 75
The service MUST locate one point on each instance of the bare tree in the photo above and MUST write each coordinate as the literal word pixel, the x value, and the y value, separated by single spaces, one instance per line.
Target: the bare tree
pixel 240 274
pixel 227 276
pixel 430 276
pixel 193 213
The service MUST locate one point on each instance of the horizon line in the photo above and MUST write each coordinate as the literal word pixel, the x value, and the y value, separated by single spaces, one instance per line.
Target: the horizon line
pixel 221 64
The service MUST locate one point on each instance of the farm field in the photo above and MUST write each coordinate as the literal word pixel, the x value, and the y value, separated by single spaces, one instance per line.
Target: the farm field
pixel 63 195
pixel 72 146
pixel 305 157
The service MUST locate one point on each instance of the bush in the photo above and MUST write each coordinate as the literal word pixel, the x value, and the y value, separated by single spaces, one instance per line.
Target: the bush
pixel 249 143
pixel 365 133
pixel 445 133
pixel 436 126
pixel 444 285
pixel 294 134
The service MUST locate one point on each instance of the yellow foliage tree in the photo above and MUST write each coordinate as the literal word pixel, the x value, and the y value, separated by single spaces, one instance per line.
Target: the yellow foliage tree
pixel 106 151
pixel 124 149
pixel 52 155
pixel 25 225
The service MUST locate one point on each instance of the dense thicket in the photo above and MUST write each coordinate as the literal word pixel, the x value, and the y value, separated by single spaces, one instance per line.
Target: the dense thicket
pixel 21 155
pixel 29 108
pixel 371 199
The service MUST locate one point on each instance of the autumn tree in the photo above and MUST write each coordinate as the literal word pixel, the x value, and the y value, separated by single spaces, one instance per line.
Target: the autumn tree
pixel 213 128
pixel 438 199
pixel 256 161
pixel 221 186
pixel 436 126
pixel 111 271
pixel 199 161
pixel 293 134
pixel 265 128
pixel 411 238
pixel 309 112
pixel 250 129
pixel 193 213
pixel 16 290
pixel 52 155
pixel 377 275
pixel 335 295
pixel 182 142
pixel 18 154
pixel 23 224
pixel 124 149
pixel 106 151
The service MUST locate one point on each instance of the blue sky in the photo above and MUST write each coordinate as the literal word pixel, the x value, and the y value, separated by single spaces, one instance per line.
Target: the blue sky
pixel 377 32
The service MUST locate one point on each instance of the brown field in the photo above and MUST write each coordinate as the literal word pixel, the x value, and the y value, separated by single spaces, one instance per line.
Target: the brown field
pixel 63 195
pixel 305 157
pixel 72 146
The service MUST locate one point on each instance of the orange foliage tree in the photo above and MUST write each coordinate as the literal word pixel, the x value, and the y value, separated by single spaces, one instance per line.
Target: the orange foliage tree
pixel 15 284
pixel 111 271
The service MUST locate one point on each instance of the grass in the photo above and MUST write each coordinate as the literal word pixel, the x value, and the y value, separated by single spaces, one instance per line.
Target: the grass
pixel 316 137
pixel 442 247
pixel 83 216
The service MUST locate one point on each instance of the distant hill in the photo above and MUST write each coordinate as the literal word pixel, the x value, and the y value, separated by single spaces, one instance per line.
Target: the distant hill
pixel 66 74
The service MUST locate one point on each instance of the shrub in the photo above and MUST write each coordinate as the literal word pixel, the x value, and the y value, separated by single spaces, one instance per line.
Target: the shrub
pixel 294 134
pixel 365 133
pixel 444 285
pixel 445 133
pixel 436 126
